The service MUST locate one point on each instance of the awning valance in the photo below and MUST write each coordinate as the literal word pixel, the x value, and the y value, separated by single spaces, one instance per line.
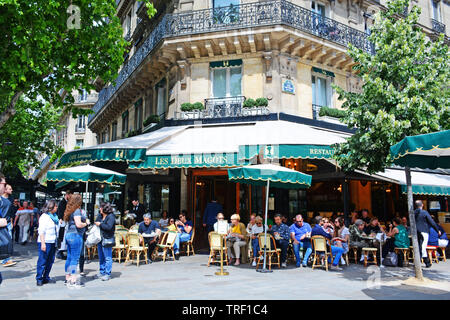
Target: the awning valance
pixel 226 63
pixel 287 151
pixel 425 183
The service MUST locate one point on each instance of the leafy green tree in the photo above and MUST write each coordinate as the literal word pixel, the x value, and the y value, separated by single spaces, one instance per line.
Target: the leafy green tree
pixel 405 92
pixel 27 134
pixel 56 44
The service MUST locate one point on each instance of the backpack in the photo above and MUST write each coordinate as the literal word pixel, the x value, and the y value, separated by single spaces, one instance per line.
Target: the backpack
pixel 391 260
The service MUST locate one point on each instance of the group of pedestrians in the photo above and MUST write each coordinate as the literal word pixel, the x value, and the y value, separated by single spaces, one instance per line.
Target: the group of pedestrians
pixel 75 223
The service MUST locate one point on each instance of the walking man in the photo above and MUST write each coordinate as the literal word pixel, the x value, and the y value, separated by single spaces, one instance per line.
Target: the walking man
pixel 24 219
pixel 424 222
pixel 209 216
pixel 8 262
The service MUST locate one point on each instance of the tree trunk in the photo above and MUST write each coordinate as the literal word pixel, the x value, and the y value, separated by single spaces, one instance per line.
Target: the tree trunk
pixel 10 110
pixel 412 223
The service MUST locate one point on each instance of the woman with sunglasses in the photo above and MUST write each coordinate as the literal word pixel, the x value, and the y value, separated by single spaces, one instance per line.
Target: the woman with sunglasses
pixel 255 230
pixel 341 236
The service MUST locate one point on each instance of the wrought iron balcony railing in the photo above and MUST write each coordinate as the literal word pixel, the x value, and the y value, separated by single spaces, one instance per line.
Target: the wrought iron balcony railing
pixel 255 14
pixel 438 26
pixel 224 107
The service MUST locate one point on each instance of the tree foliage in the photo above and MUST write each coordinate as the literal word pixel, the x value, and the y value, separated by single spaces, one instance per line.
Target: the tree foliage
pixel 44 49
pixel 405 91
pixel 28 133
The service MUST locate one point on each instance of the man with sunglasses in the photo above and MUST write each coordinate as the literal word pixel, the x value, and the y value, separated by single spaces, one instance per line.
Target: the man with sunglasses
pixel 184 234
pixel 301 238
pixel 280 232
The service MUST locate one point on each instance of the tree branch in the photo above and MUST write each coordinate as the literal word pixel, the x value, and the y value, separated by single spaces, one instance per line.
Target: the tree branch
pixel 10 110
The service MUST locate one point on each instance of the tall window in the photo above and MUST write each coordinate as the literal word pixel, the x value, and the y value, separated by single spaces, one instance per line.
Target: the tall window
pixel 161 100
pixel 81 124
pixel 79 143
pixel 138 115
pixel 114 131
pixel 124 123
pixel 318 8
pixel 321 91
pixel 436 7
pixel 225 11
pixel 227 82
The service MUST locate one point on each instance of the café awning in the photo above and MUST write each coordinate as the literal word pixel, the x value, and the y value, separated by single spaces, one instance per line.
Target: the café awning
pixel 424 183
pixel 129 149
pixel 237 144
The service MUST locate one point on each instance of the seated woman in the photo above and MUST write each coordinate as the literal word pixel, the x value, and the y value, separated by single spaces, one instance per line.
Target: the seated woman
pixel 256 229
pixel 219 217
pixel 398 239
pixel 341 236
pixel 236 239
pixel 163 221
pixel 171 226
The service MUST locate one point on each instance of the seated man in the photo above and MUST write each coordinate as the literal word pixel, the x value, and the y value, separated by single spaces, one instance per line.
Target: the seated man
pixel 436 240
pixel 300 235
pixel 280 232
pixel 374 227
pixel 356 234
pixel 184 228
pixel 151 231
pixel 320 230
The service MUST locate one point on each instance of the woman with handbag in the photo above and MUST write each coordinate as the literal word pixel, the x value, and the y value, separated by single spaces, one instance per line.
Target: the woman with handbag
pixel 47 236
pixel 106 221
pixel 76 226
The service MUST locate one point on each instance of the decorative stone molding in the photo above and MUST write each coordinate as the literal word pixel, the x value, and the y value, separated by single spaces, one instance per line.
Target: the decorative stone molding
pixel 184 68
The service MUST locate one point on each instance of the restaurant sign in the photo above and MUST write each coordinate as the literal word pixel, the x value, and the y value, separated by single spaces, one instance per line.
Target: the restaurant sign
pixel 286 151
pixel 188 161
pixel 90 155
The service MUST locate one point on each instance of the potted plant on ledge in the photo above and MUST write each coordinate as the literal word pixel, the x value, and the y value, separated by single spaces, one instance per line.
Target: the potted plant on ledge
pixel 151 121
pixel 256 107
pixel 192 110
pixel 331 115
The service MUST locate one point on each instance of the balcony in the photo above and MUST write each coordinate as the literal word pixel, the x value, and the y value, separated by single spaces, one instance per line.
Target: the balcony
pixel 269 13
pixel 80 130
pixel 438 26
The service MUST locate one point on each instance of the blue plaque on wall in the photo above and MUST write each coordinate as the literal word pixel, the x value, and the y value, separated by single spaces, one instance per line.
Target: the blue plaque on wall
pixel 288 86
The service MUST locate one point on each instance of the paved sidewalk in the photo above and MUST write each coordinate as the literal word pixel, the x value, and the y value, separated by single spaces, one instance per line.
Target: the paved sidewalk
pixel 162 281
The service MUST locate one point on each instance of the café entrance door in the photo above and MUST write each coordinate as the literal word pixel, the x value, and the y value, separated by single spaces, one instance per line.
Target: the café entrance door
pixel 210 185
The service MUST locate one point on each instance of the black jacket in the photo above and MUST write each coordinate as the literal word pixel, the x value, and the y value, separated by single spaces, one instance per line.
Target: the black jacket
pixel 61 208
pixel 424 221
pixel 107 226
pixel 139 211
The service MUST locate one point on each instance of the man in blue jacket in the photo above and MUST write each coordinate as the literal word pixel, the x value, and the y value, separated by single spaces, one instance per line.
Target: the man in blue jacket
pixel 210 214
pixel 301 238
pixel 319 230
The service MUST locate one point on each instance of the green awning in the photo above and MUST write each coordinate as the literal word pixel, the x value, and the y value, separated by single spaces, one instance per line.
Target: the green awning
pixel 287 151
pixel 426 151
pixel 188 161
pixel 225 64
pixel 279 177
pixel 86 173
pixel 428 190
pixel 90 155
pixel 324 72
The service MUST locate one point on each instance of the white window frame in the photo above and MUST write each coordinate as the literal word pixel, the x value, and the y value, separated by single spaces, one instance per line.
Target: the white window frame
pixel 438 6
pixel 227 81
pixel 319 3
pixel 329 88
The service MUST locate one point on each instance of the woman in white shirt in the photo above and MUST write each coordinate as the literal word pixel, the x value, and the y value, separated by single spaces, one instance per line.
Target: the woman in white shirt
pixel 48 233
pixel 164 221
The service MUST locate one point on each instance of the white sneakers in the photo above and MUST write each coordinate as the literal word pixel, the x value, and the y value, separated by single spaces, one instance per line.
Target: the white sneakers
pixel 254 263
pixel 283 264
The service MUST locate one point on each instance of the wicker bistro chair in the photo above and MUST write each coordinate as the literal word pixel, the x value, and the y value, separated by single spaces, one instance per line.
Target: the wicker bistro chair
pixel 405 252
pixel 135 245
pixel 215 242
pixel 271 250
pixel 189 244
pixel 432 254
pixel 120 246
pixel 91 252
pixel 134 228
pixel 167 242
pixel 320 247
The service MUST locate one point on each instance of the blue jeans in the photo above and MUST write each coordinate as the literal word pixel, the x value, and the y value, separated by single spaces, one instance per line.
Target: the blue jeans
pixel 255 246
pixel 74 243
pixel 105 259
pixel 337 252
pixel 305 245
pixel 45 261
pixel 181 237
